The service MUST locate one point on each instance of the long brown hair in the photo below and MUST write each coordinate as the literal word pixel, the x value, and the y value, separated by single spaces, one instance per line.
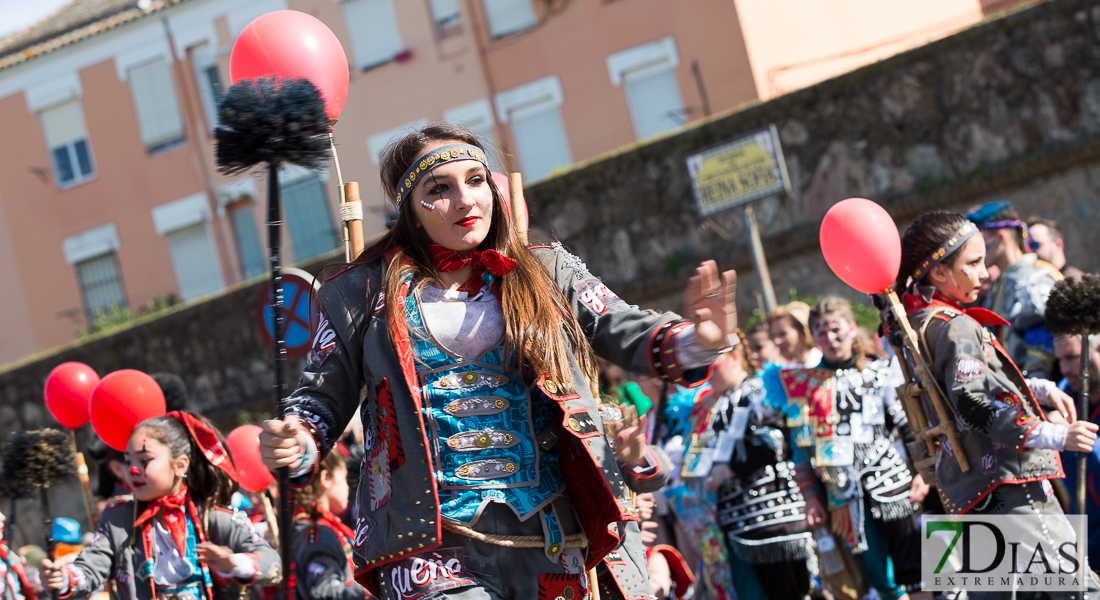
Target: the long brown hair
pixel 535 310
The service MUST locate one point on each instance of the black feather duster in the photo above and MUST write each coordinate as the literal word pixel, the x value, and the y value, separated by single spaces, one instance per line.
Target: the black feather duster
pixel 35 459
pixel 272 121
pixel 1074 306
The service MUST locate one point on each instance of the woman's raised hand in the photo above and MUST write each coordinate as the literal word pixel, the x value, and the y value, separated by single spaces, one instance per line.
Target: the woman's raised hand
pixel 282 443
pixel 710 303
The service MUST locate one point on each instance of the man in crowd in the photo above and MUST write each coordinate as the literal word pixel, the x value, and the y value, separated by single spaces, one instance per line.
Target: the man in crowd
pixel 1067 348
pixel 1020 293
pixel 1049 245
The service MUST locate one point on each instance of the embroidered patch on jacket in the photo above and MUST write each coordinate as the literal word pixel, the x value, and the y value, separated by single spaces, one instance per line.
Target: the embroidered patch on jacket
pixel 317 569
pixel 387 425
pixel 324 341
pixel 968 369
pixel 572 560
pixel 378 475
pixel 989 462
pixel 1009 399
pixel 596 296
pixel 562 585
pixel 364 527
pixel 428 573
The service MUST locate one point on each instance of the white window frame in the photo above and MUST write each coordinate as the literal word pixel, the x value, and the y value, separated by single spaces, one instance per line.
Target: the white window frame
pixel 498 29
pixel 166 142
pixel 641 62
pixel 180 214
pixel 204 57
pixel 79 176
pixel 445 15
pixel 90 243
pixel 361 42
pixel 530 99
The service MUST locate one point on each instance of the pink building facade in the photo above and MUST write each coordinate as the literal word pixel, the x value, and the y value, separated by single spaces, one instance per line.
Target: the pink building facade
pixel 109 193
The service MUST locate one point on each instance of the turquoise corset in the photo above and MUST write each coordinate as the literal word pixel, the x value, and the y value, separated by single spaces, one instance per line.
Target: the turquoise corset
pixel 483 427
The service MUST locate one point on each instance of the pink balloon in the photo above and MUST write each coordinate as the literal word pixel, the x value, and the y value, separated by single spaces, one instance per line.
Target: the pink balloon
pixel 861 244
pixel 292 44
pixel 121 401
pixel 244 445
pixel 68 388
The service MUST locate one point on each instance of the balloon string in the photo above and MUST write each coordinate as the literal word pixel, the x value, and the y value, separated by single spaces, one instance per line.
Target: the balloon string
pixel 340 186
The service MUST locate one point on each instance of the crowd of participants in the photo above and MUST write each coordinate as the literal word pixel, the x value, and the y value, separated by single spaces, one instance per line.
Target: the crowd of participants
pixel 748 486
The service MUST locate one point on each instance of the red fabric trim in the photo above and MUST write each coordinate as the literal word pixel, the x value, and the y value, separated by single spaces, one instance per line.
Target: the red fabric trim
pixel 541 384
pixel 207 441
pixel 651 345
pixel 1023 443
pixel 72 582
pixel 984 316
pixel 589 488
pixel 1059 475
pixel 677 566
pixel 654 461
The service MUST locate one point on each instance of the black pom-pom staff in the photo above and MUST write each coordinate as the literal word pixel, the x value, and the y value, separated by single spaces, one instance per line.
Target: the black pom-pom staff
pixel 277 122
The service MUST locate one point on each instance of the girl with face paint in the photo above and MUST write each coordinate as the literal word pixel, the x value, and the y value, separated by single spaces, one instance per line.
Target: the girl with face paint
pixel 174 539
pixel 1009 429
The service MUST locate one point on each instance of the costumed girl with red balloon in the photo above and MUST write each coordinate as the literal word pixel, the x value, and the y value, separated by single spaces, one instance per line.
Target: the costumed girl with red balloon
pixel 487 473
pixel 175 539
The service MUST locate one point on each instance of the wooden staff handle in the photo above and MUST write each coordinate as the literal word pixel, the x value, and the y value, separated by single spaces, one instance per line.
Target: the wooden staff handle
pixel 85 485
pixel 928 385
pixel 269 516
pixel 354 227
pixel 519 206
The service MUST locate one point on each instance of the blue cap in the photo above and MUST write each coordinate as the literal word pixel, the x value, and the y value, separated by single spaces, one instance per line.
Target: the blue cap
pixel 240 502
pixel 66 530
pixel 988 213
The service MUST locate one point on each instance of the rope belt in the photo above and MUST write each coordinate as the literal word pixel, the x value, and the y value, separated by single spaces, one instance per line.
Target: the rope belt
pixel 576 540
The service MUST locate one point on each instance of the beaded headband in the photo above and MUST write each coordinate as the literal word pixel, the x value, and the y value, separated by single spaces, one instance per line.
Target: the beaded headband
pixel 432 159
pixel 948 248
pixel 1011 224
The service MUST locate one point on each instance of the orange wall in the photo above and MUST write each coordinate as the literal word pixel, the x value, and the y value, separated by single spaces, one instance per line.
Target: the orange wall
pixel 575 44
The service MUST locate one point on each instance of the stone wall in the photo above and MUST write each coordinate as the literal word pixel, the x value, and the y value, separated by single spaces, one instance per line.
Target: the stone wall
pixel 1007 109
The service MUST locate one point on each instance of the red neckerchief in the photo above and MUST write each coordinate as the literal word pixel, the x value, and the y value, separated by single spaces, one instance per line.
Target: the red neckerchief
pixel 173 506
pixel 27 590
pixel 915 302
pixel 447 260
pixel 171 509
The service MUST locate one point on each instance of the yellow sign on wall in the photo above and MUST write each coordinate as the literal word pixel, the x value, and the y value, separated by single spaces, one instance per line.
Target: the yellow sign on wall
pixel 739 172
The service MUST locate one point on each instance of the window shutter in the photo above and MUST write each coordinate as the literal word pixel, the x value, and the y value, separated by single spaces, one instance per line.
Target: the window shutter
pixel 540 141
pixel 100 283
pixel 156 105
pixel 445 13
pixel 509 16
pixel 63 124
pixel 307 216
pixel 197 270
pixel 372 25
pixel 248 242
pixel 655 103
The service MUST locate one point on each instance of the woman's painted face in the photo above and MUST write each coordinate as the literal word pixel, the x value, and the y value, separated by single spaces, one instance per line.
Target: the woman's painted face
pixel 454 203
pixel 151 470
pixel 787 337
pixel 962 280
pixel 835 335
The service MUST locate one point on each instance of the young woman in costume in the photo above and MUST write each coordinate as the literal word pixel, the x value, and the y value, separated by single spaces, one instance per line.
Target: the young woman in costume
pixel 1009 429
pixel 790 331
pixel 322 543
pixel 175 539
pixel 753 476
pixel 476 357
pixel 843 414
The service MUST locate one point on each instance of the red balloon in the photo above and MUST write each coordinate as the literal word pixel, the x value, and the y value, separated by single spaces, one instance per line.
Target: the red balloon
pixel 121 401
pixel 289 43
pixel 244 445
pixel 68 388
pixel 861 244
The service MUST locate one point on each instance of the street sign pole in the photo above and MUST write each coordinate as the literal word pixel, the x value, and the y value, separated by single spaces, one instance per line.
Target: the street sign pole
pixel 759 261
